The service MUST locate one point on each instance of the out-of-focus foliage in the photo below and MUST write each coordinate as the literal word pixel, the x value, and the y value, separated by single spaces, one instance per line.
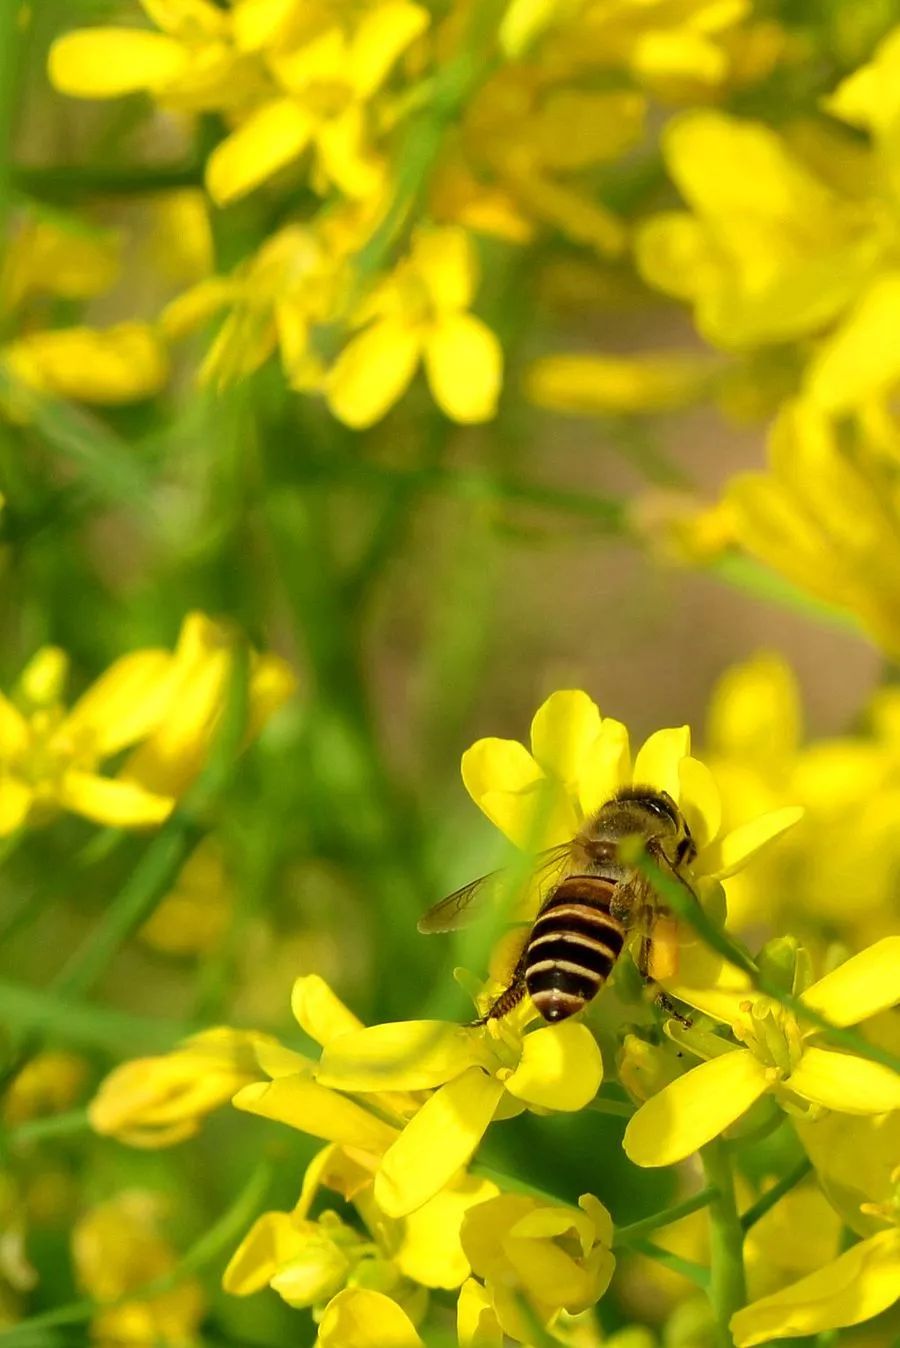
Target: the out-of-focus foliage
pixel 307 310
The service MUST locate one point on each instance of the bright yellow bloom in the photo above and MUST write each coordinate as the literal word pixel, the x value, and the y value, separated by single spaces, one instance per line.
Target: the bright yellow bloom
pixel 579 760
pixel 166 703
pixel 121 364
pixel 477 1073
pixel 117 1248
pixel 156 1102
pixel 781 1055
pixel 324 84
pixel 362 1318
pixel 420 313
pixel 827 519
pixel 193 917
pixel 555 1257
pixel 51 1082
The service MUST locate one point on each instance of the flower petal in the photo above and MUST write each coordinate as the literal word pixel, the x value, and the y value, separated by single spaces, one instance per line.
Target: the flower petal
pixel 125 703
pixel 381 36
pixel 319 1012
pixel 272 1240
pixel 304 1104
pixel 856 1286
pixel 659 757
pixel 107 800
pixel 361 1318
pixel 373 372
pixel 109 366
pixel 13 730
pixel 560 1068
pixel 860 987
pixel 732 852
pixel 464 362
pixel 563 732
pixel 430 1252
pixel 694 1109
pixel 845 1082
pixel 699 800
pixel 476 1324
pixel 265 142
pixel 15 802
pixel 409 1055
pixel 505 782
pixel 606 768
pixel 109 62
pixel 447 263
pixel 436 1143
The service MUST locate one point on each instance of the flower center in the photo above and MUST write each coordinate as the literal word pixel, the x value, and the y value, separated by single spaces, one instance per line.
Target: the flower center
pixel 772 1035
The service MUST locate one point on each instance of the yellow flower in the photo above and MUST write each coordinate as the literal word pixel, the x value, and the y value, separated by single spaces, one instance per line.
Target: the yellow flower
pixel 770 251
pixel 478 1073
pixel 166 703
pixel 325 84
pixel 121 364
pixel 156 1102
pixel 601 385
pixel 421 313
pixel 782 1056
pixel 359 1317
pixel 193 917
pixel 117 1248
pixel 50 257
pixel 579 760
pixel 827 519
pixel 555 1257
pixel 51 1082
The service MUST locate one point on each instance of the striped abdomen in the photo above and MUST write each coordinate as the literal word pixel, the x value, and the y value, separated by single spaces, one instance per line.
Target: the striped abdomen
pixel 573 946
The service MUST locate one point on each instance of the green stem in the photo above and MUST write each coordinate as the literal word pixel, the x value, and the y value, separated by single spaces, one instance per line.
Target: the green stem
pixel 221 1234
pixel 10 44
pixel 775 1194
pixel 619 1109
pixel 64 181
pixel 55 1125
pixel 635 1231
pixel 74 1022
pixel 727 1286
pixel 698 1274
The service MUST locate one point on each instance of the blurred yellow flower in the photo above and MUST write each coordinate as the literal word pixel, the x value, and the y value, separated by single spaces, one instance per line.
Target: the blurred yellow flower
pixel 554 1256
pixel 606 385
pixel 56 257
pixel 781 1056
pixel 193 917
pixel 117 1248
pixel 120 364
pixel 420 313
pixel 51 1082
pixel 156 1102
pixel 166 703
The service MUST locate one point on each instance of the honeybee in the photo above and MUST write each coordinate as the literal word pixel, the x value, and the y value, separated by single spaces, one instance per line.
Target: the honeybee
pixel 592 903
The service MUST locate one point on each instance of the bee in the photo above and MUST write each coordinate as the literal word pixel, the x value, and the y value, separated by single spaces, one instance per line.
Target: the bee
pixel 592 904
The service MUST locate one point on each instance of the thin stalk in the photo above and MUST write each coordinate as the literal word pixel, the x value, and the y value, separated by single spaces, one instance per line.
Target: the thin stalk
pixel 10 43
pixel 57 182
pixel 619 1109
pixel 727 1285
pixel 56 1125
pixel 698 1274
pixel 635 1231
pixel 772 1196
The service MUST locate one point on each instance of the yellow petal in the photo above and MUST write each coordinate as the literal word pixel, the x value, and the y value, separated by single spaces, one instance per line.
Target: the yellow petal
pixel 361 1318
pixel 708 982
pixel 344 156
pixel 108 800
pixel 732 852
pixel 381 36
pixel 617 385
pixel 856 1286
pixel 448 266
pixel 699 800
pixel 464 361
pixel 373 372
pixel 109 62
pixel 120 364
pixel 560 1068
pixel 403 1055
pixel 15 802
pixel 754 711
pixel 860 987
pixel 273 136
pixel 606 768
pixel 430 1252
pixel 261 23
pixel 563 733
pixel 508 786
pixel 476 1324
pixel 318 1012
pixel 844 1082
pixel 436 1143
pixel 306 1105
pixel 860 359
pixel 13 730
pixel 125 703
pixel 694 1109
pixel 659 758
pixel 272 1240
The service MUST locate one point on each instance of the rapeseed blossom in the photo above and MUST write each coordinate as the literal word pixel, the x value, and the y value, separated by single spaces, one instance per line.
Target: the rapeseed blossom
pixel 162 706
pixel 780 1054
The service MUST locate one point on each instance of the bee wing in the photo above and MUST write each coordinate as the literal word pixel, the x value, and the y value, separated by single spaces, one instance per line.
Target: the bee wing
pixel 465 905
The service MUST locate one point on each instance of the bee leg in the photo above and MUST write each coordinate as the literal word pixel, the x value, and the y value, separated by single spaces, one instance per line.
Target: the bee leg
pixel 509 998
pixel 662 1000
